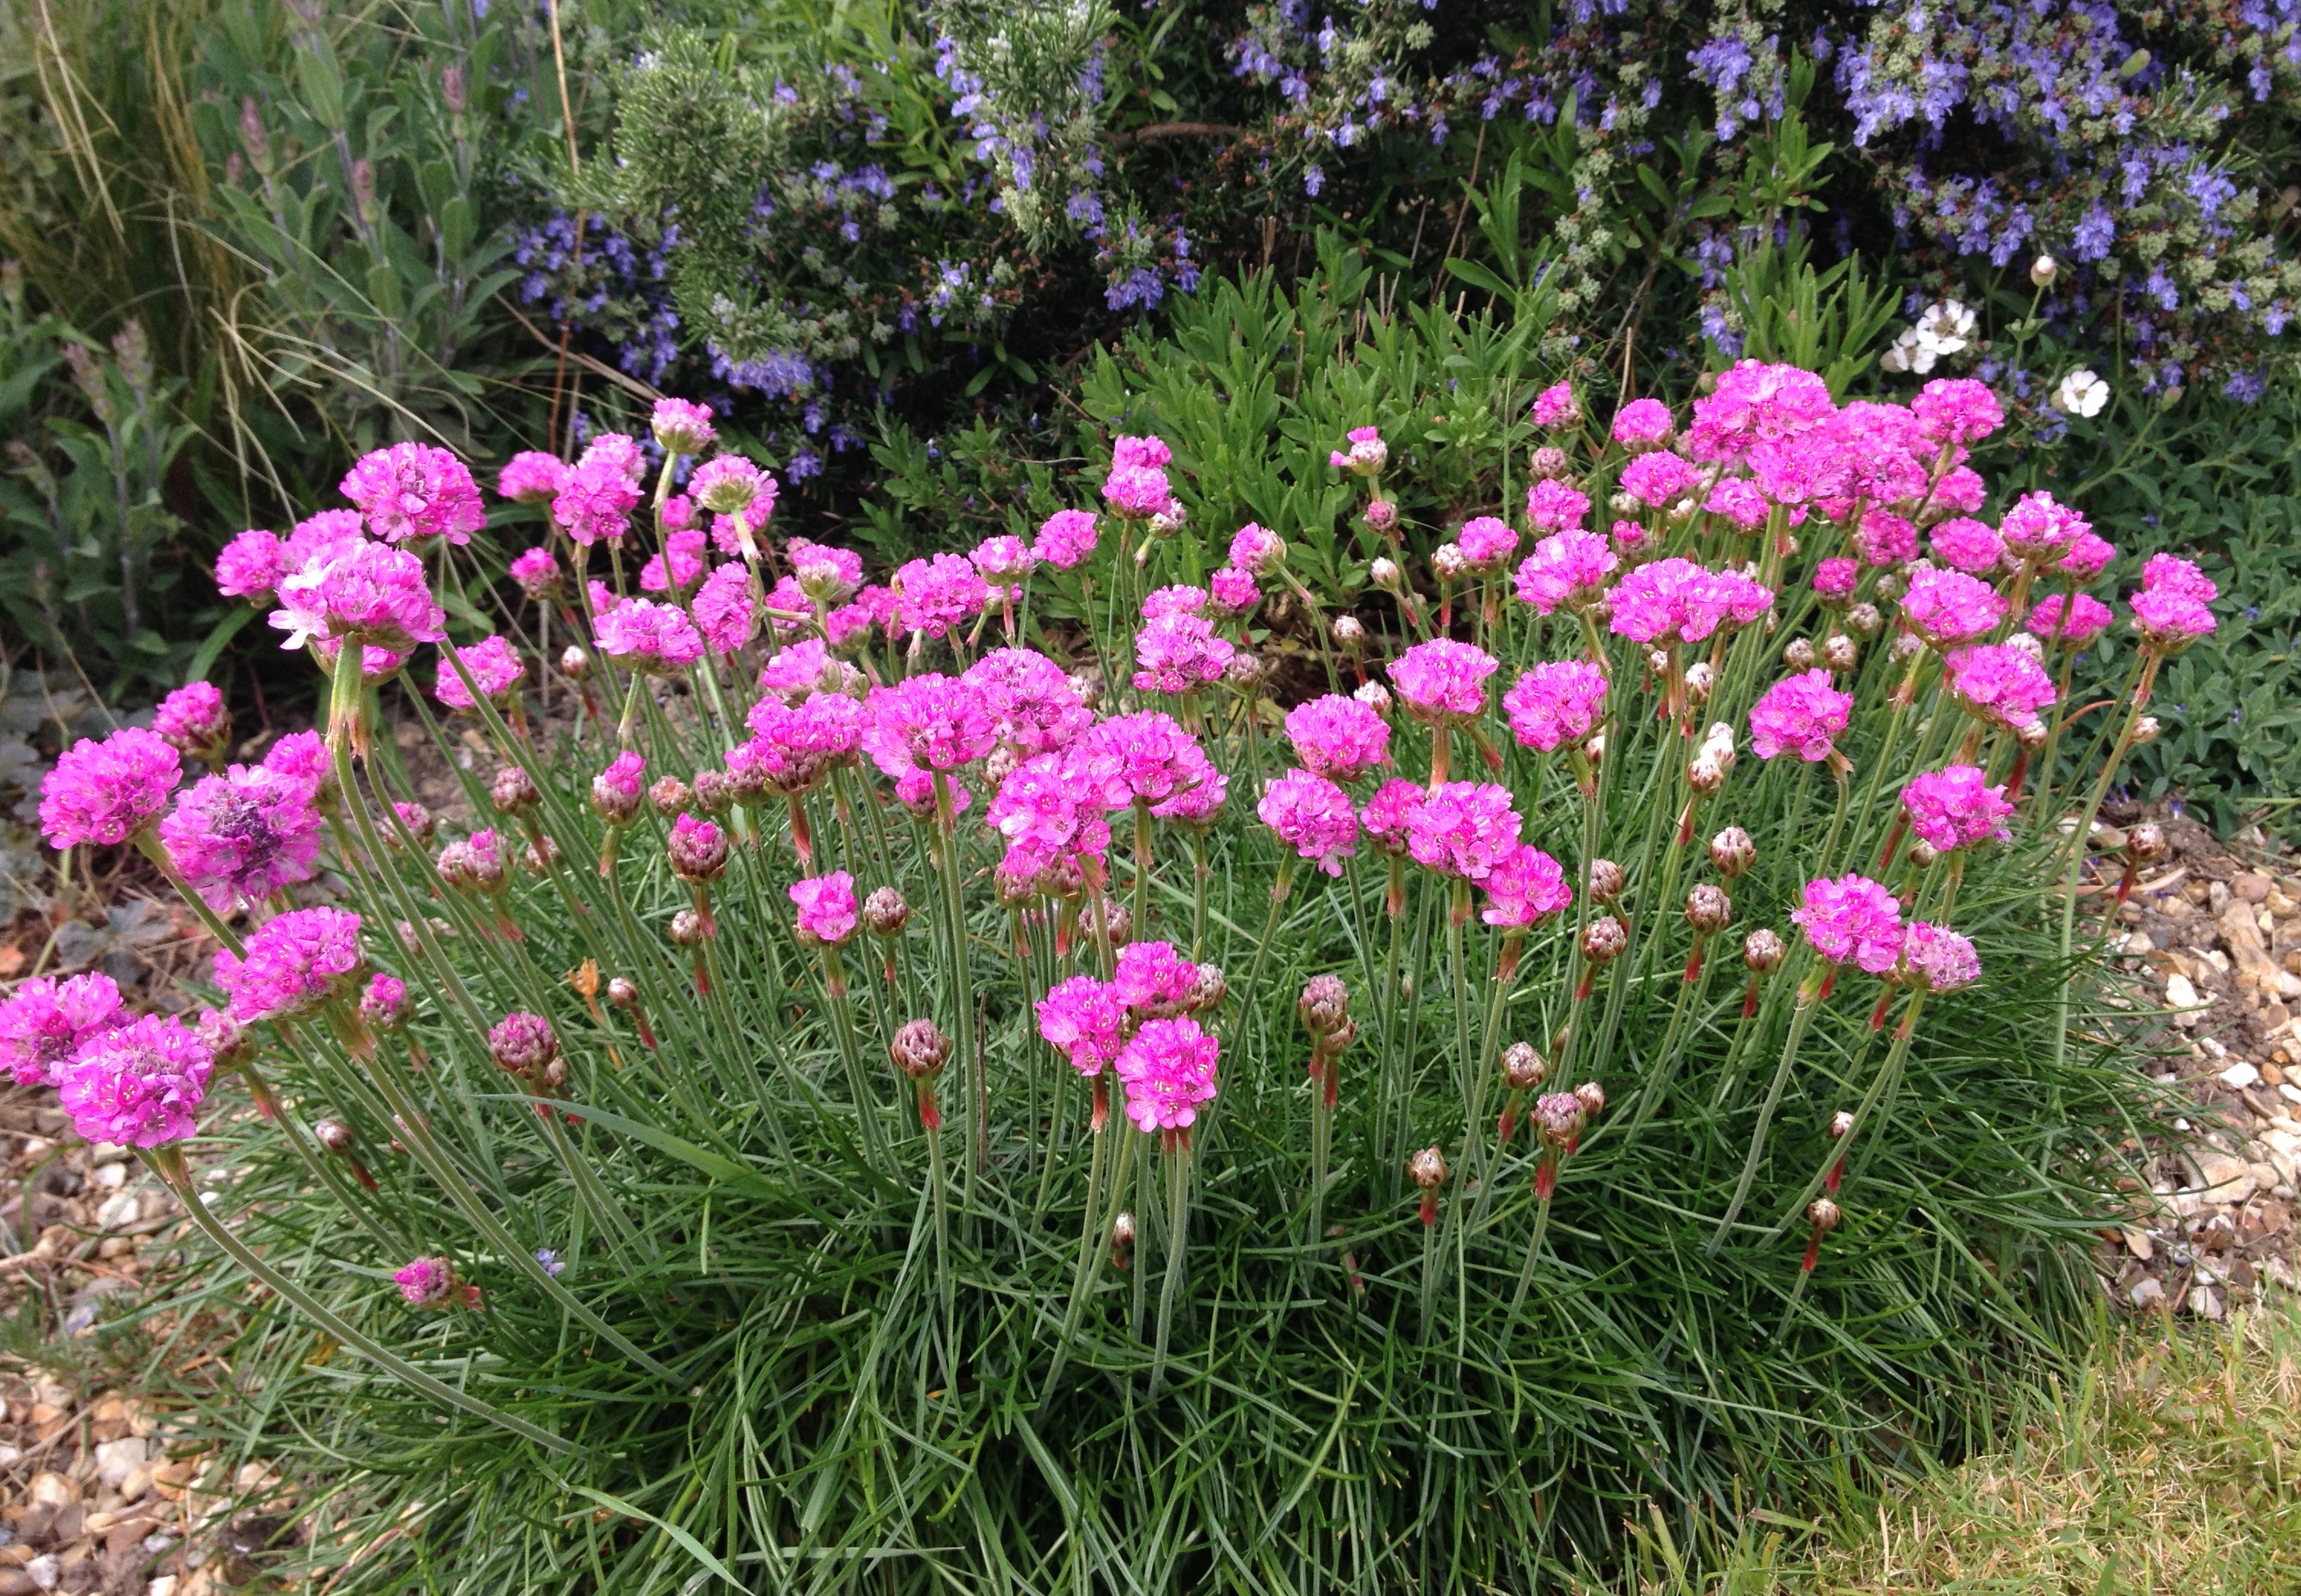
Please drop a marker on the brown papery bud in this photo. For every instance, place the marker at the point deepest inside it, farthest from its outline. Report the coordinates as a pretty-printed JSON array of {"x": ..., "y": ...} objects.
[
  {"x": 713, "y": 794},
  {"x": 542, "y": 856},
  {"x": 1349, "y": 632},
  {"x": 1798, "y": 654},
  {"x": 1374, "y": 696},
  {"x": 1864, "y": 621},
  {"x": 623, "y": 992},
  {"x": 1706, "y": 775},
  {"x": 1823, "y": 1215},
  {"x": 687, "y": 929},
  {"x": 1244, "y": 669},
  {"x": 1428, "y": 1168},
  {"x": 1523, "y": 1068},
  {"x": 1762, "y": 952},
  {"x": 1342, "y": 1036},
  {"x": 1381, "y": 517},
  {"x": 2144, "y": 729},
  {"x": 1448, "y": 562},
  {"x": 1732, "y": 853},
  {"x": 1841, "y": 1125},
  {"x": 884, "y": 912},
  {"x": 1604, "y": 940},
  {"x": 1905, "y": 648},
  {"x": 1593, "y": 1098},
  {"x": 1118, "y": 922},
  {"x": 514, "y": 790},
  {"x": 2148, "y": 843},
  {"x": 1548, "y": 462},
  {"x": 1121, "y": 1229},
  {"x": 1324, "y": 1004},
  {"x": 1207, "y": 990},
  {"x": 334, "y": 1136},
  {"x": 574, "y": 664},
  {"x": 1708, "y": 909},
  {"x": 1699, "y": 680},
  {"x": 920, "y": 1050},
  {"x": 1002, "y": 763},
  {"x": 669, "y": 795},
  {"x": 1605, "y": 883},
  {"x": 1840, "y": 653},
  {"x": 1922, "y": 853}
]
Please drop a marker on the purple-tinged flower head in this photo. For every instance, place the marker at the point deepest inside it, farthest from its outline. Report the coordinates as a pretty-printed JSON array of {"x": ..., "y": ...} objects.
[
  {"x": 531, "y": 477},
  {"x": 2086, "y": 557},
  {"x": 525, "y": 1044},
  {"x": 1937, "y": 959},
  {"x": 1387, "y": 815},
  {"x": 1146, "y": 757},
  {"x": 1367, "y": 455},
  {"x": 1444, "y": 682},
  {"x": 1756, "y": 403},
  {"x": 682, "y": 427},
  {"x": 1960, "y": 492},
  {"x": 726, "y": 484},
  {"x": 1956, "y": 411},
  {"x": 496, "y": 668},
  {"x": 1154, "y": 980},
  {"x": 1180, "y": 654},
  {"x": 250, "y": 566},
  {"x": 294, "y": 962},
  {"x": 1085, "y": 1021},
  {"x": 1169, "y": 1069},
  {"x": 698, "y": 850},
  {"x": 1313, "y": 817},
  {"x": 1885, "y": 538},
  {"x": 139, "y": 1085},
  {"x": 1198, "y": 795},
  {"x": 1553, "y": 506},
  {"x": 1956, "y": 808},
  {"x": 1660, "y": 479},
  {"x": 1851, "y": 921},
  {"x": 1949, "y": 607},
  {"x": 1668, "y": 601},
  {"x": 1231, "y": 593},
  {"x": 794, "y": 746},
  {"x": 618, "y": 791},
  {"x": 828, "y": 576},
  {"x": 2169, "y": 620},
  {"x": 1004, "y": 561},
  {"x": 1487, "y": 543},
  {"x": 1464, "y": 829},
  {"x": 1136, "y": 489},
  {"x": 938, "y": 595},
  {"x": 366, "y": 592},
  {"x": 384, "y": 1004},
  {"x": 243, "y": 836},
  {"x": 193, "y": 720},
  {"x": 426, "y": 1283},
  {"x": 1644, "y": 424},
  {"x": 825, "y": 909},
  {"x": 1967, "y": 545},
  {"x": 1559, "y": 702},
  {"x": 1801, "y": 715},
  {"x": 1555, "y": 406},
  {"x": 725, "y": 612},
  {"x": 1035, "y": 703},
  {"x": 1151, "y": 452},
  {"x": 595, "y": 503},
  {"x": 1041, "y": 808},
  {"x": 1337, "y": 738},
  {"x": 928, "y": 723},
  {"x": 2039, "y": 529},
  {"x": 2171, "y": 574},
  {"x": 1745, "y": 598},
  {"x": 2085, "y": 619},
  {"x": 1740, "y": 502},
  {"x": 1566, "y": 568},
  {"x": 1256, "y": 551},
  {"x": 651, "y": 637},
  {"x": 1998, "y": 683},
  {"x": 320, "y": 536},
  {"x": 415, "y": 492},
  {"x": 106, "y": 792},
  {"x": 1065, "y": 539},
  {"x": 1835, "y": 582},
  {"x": 1525, "y": 888},
  {"x": 685, "y": 557},
  {"x": 46, "y": 1020},
  {"x": 537, "y": 571},
  {"x": 1178, "y": 599},
  {"x": 304, "y": 756}
]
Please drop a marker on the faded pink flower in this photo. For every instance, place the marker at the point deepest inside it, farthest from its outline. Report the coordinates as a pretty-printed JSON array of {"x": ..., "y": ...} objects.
[
  {"x": 1936, "y": 958},
  {"x": 1851, "y": 921},
  {"x": 531, "y": 477},
  {"x": 1801, "y": 715},
  {"x": 1004, "y": 560},
  {"x": 46, "y": 1020},
  {"x": 1956, "y": 807},
  {"x": 415, "y": 492},
  {"x": 105, "y": 792},
  {"x": 1169, "y": 1069},
  {"x": 139, "y": 1085},
  {"x": 1999, "y": 683},
  {"x": 294, "y": 962},
  {"x": 1257, "y": 552},
  {"x": 495, "y": 666},
  {"x": 1560, "y": 702},
  {"x": 1338, "y": 738},
  {"x": 1367, "y": 455},
  {"x": 426, "y": 1283},
  {"x": 727, "y": 484},
  {"x": 1313, "y": 817},
  {"x": 825, "y": 907},
  {"x": 1442, "y": 681}
]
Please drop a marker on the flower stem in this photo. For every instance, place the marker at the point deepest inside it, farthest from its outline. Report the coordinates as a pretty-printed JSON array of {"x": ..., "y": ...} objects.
[
  {"x": 1179, "y": 1230},
  {"x": 1809, "y": 999}
]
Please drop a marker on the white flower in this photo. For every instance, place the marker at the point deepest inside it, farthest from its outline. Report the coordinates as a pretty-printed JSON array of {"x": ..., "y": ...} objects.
[
  {"x": 1945, "y": 326},
  {"x": 1911, "y": 351},
  {"x": 2081, "y": 394}
]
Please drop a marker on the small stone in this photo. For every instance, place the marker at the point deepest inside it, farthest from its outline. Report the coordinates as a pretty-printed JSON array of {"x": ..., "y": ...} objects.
[
  {"x": 165, "y": 1585},
  {"x": 2137, "y": 1244},
  {"x": 2264, "y": 1175},
  {"x": 115, "y": 1459},
  {"x": 2252, "y": 887},
  {"x": 119, "y": 1211},
  {"x": 2223, "y": 1178},
  {"x": 2217, "y": 896},
  {"x": 2288, "y": 1091},
  {"x": 2206, "y": 1302},
  {"x": 52, "y": 1490},
  {"x": 2240, "y": 1075},
  {"x": 109, "y": 1177},
  {"x": 2181, "y": 999},
  {"x": 44, "y": 1571},
  {"x": 2147, "y": 1292}
]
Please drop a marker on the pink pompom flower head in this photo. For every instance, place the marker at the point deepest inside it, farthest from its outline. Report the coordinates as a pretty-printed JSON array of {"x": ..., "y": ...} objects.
[
  {"x": 726, "y": 614},
  {"x": 682, "y": 427},
  {"x": 1885, "y": 538},
  {"x": 1755, "y": 403},
  {"x": 1566, "y": 568},
  {"x": 1956, "y": 411},
  {"x": 1999, "y": 684},
  {"x": 537, "y": 571},
  {"x": 1644, "y": 424},
  {"x": 2171, "y": 574},
  {"x": 595, "y": 502},
  {"x": 1525, "y": 888},
  {"x": 940, "y": 595},
  {"x": 1463, "y": 829},
  {"x": 1835, "y": 582},
  {"x": 2169, "y": 621},
  {"x": 1802, "y": 714},
  {"x": 294, "y": 962},
  {"x": 928, "y": 723},
  {"x": 531, "y": 477},
  {"x": 1660, "y": 479},
  {"x": 825, "y": 910},
  {"x": 1934, "y": 959},
  {"x": 1145, "y": 757},
  {"x": 1741, "y": 503},
  {"x": 365, "y": 593},
  {"x": 1555, "y": 702},
  {"x": 194, "y": 721},
  {"x": 413, "y": 492},
  {"x": 1035, "y": 703},
  {"x": 2072, "y": 625},
  {"x": 45, "y": 1021},
  {"x": 430, "y": 1284},
  {"x": 1367, "y": 455},
  {"x": 1671, "y": 600},
  {"x": 1256, "y": 551},
  {"x": 1337, "y": 738},
  {"x": 1444, "y": 682},
  {"x": 108, "y": 792},
  {"x": 250, "y": 566},
  {"x": 1969, "y": 546},
  {"x": 649, "y": 637},
  {"x": 1137, "y": 489},
  {"x": 1386, "y": 816},
  {"x": 139, "y": 1085},
  {"x": 1949, "y": 607},
  {"x": 496, "y": 669},
  {"x": 2040, "y": 529},
  {"x": 244, "y": 836},
  {"x": 1313, "y": 817},
  {"x": 2086, "y": 557},
  {"x": 1084, "y": 1020},
  {"x": 1169, "y": 1068},
  {"x": 1487, "y": 543},
  {"x": 1180, "y": 653},
  {"x": 1154, "y": 980},
  {"x": 1956, "y": 808},
  {"x": 1231, "y": 594},
  {"x": 679, "y": 566},
  {"x": 1555, "y": 506},
  {"x": 1851, "y": 921},
  {"x": 727, "y": 485},
  {"x": 1065, "y": 539},
  {"x": 1555, "y": 406}
]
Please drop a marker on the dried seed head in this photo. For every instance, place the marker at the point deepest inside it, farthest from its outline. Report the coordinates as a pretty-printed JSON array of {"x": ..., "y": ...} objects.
[
  {"x": 334, "y": 1136},
  {"x": 2148, "y": 843},
  {"x": 1864, "y": 621},
  {"x": 669, "y": 795},
  {"x": 1428, "y": 1168},
  {"x": 623, "y": 992},
  {"x": 1762, "y": 952},
  {"x": 1706, "y": 775},
  {"x": 1605, "y": 883},
  {"x": 1708, "y": 909},
  {"x": 713, "y": 795},
  {"x": 574, "y": 664},
  {"x": 1548, "y": 462},
  {"x": 1523, "y": 1068},
  {"x": 687, "y": 929},
  {"x": 884, "y": 912},
  {"x": 1604, "y": 940},
  {"x": 920, "y": 1050},
  {"x": 1840, "y": 653},
  {"x": 1798, "y": 654},
  {"x": 1207, "y": 989},
  {"x": 1381, "y": 517},
  {"x": 1841, "y": 1125},
  {"x": 1732, "y": 853},
  {"x": 1593, "y": 1098},
  {"x": 515, "y": 790},
  {"x": 1823, "y": 1214},
  {"x": 1324, "y": 1004}
]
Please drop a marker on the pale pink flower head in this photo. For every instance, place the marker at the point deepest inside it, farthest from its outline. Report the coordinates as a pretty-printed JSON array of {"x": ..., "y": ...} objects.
[
  {"x": 1566, "y": 568},
  {"x": 1338, "y": 738},
  {"x": 725, "y": 485},
  {"x": 46, "y": 1020},
  {"x": 825, "y": 907},
  {"x": 1313, "y": 817},
  {"x": 1879, "y": 456},
  {"x": 1038, "y": 807},
  {"x": 1169, "y": 1069},
  {"x": 1035, "y": 702},
  {"x": 1885, "y": 538},
  {"x": 1256, "y": 551},
  {"x": 652, "y": 637},
  {"x": 679, "y": 514},
  {"x": 1180, "y": 653},
  {"x": 1660, "y": 479},
  {"x": 367, "y": 593},
  {"x": 724, "y": 610},
  {"x": 614, "y": 451},
  {"x": 1644, "y": 424},
  {"x": 426, "y": 1283},
  {"x": 244, "y": 836},
  {"x": 1179, "y": 598},
  {"x": 791, "y": 604},
  {"x": 1801, "y": 715},
  {"x": 496, "y": 668},
  {"x": 1004, "y": 560},
  {"x": 2085, "y": 619},
  {"x": 938, "y": 595},
  {"x": 1146, "y": 757},
  {"x": 849, "y": 627},
  {"x": 531, "y": 477},
  {"x": 1084, "y": 1020},
  {"x": 139, "y": 1085},
  {"x": 2169, "y": 620},
  {"x": 1741, "y": 502},
  {"x": 536, "y": 572},
  {"x": 1937, "y": 959},
  {"x": 595, "y": 502},
  {"x": 1956, "y": 808},
  {"x": 1998, "y": 683},
  {"x": 1555, "y": 406},
  {"x": 928, "y": 723},
  {"x": 321, "y": 536},
  {"x": 415, "y": 492},
  {"x": 1851, "y": 921},
  {"x": 677, "y": 568},
  {"x": 617, "y": 791},
  {"x": 1970, "y": 545},
  {"x": 800, "y": 668},
  {"x": 1199, "y": 794},
  {"x": 1065, "y": 539},
  {"x": 1555, "y": 702},
  {"x": 2040, "y": 529},
  {"x": 250, "y": 566},
  {"x": 1960, "y": 492},
  {"x": 1552, "y": 505},
  {"x": 1487, "y": 542},
  {"x": 1387, "y": 814},
  {"x": 1367, "y": 455},
  {"x": 1137, "y": 488},
  {"x": 194, "y": 720},
  {"x": 1153, "y": 980},
  {"x": 826, "y": 575},
  {"x": 304, "y": 755},
  {"x": 1525, "y": 888},
  {"x": 1671, "y": 600},
  {"x": 294, "y": 962},
  {"x": 1949, "y": 607},
  {"x": 682, "y": 427},
  {"x": 1756, "y": 403},
  {"x": 106, "y": 792},
  {"x": 1231, "y": 593},
  {"x": 2171, "y": 574},
  {"x": 1956, "y": 411},
  {"x": 2087, "y": 557},
  {"x": 1835, "y": 582},
  {"x": 1444, "y": 682},
  {"x": 1464, "y": 829}
]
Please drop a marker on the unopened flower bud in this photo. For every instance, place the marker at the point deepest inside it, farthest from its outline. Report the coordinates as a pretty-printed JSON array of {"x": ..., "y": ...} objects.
[
  {"x": 231, "y": 1043},
  {"x": 1381, "y": 517},
  {"x": 1922, "y": 854},
  {"x": 574, "y": 664},
  {"x": 419, "y": 822},
  {"x": 1604, "y": 940},
  {"x": 1374, "y": 696},
  {"x": 1448, "y": 562},
  {"x": 2148, "y": 843},
  {"x": 1841, "y": 1125},
  {"x": 1245, "y": 671},
  {"x": 1699, "y": 680},
  {"x": 1121, "y": 1229},
  {"x": 698, "y": 850},
  {"x": 2032, "y": 736},
  {"x": 1002, "y": 763},
  {"x": 712, "y": 793},
  {"x": 2044, "y": 270},
  {"x": 1905, "y": 648},
  {"x": 522, "y": 1044},
  {"x": 1594, "y": 750},
  {"x": 2144, "y": 729},
  {"x": 1547, "y": 464},
  {"x": 1840, "y": 653},
  {"x": 1708, "y": 909},
  {"x": 334, "y": 1136},
  {"x": 1559, "y": 1117},
  {"x": 1428, "y": 1168},
  {"x": 1823, "y": 1215},
  {"x": 1732, "y": 853},
  {"x": 669, "y": 795},
  {"x": 1762, "y": 952},
  {"x": 1349, "y": 632},
  {"x": 920, "y": 1050},
  {"x": 1088, "y": 685},
  {"x": 1209, "y": 988},
  {"x": 1593, "y": 1098},
  {"x": 1385, "y": 574},
  {"x": 1118, "y": 924},
  {"x": 623, "y": 992},
  {"x": 687, "y": 929},
  {"x": 1706, "y": 775},
  {"x": 884, "y": 912},
  {"x": 1605, "y": 883},
  {"x": 1169, "y": 522},
  {"x": 1523, "y": 1068},
  {"x": 1864, "y": 621},
  {"x": 1324, "y": 1004},
  {"x": 2028, "y": 644},
  {"x": 515, "y": 791},
  {"x": 1798, "y": 654}
]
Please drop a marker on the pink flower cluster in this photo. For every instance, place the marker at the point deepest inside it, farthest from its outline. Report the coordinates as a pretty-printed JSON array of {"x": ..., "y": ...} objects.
[
  {"x": 1555, "y": 702},
  {"x": 1566, "y": 568},
  {"x": 2072, "y": 625},
  {"x": 930, "y": 723},
  {"x": 495, "y": 666},
  {"x": 1065, "y": 539},
  {"x": 1337, "y": 738},
  {"x": 537, "y": 571},
  {"x": 1313, "y": 817},
  {"x": 139, "y": 1085},
  {"x": 193, "y": 720},
  {"x": 1937, "y": 959},
  {"x": 1949, "y": 607},
  {"x": 1442, "y": 681},
  {"x": 1674, "y": 600},
  {"x": 1525, "y": 888},
  {"x": 531, "y": 477},
  {"x": 1180, "y": 653},
  {"x": 1554, "y": 406},
  {"x": 2170, "y": 611},
  {"x": 250, "y": 566},
  {"x": 1644, "y": 424},
  {"x": 415, "y": 492},
  {"x": 1463, "y": 829},
  {"x": 105, "y": 792},
  {"x": 1802, "y": 714},
  {"x": 1048, "y": 816},
  {"x": 1661, "y": 479},
  {"x": 1085, "y": 1021},
  {"x": 726, "y": 612},
  {"x": 1956, "y": 411},
  {"x": 1956, "y": 808},
  {"x": 1999, "y": 683},
  {"x": 1851, "y": 921},
  {"x": 938, "y": 595},
  {"x": 359, "y": 592},
  {"x": 243, "y": 836},
  {"x": 1487, "y": 543},
  {"x": 1148, "y": 758},
  {"x": 1137, "y": 487},
  {"x": 1555, "y": 506},
  {"x": 1169, "y": 1068},
  {"x": 1756, "y": 403},
  {"x": 647, "y": 636},
  {"x": 1035, "y": 705},
  {"x": 794, "y": 746},
  {"x": 294, "y": 962},
  {"x": 825, "y": 907},
  {"x": 1367, "y": 455},
  {"x": 46, "y": 1020}
]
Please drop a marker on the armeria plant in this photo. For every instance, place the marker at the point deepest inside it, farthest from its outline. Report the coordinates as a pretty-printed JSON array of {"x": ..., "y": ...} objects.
[{"x": 913, "y": 1174}]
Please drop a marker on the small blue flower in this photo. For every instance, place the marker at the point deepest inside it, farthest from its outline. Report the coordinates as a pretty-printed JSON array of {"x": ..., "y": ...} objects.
[{"x": 553, "y": 1264}]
